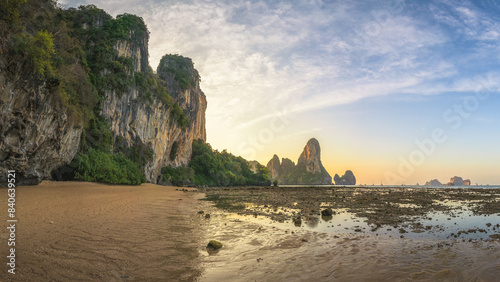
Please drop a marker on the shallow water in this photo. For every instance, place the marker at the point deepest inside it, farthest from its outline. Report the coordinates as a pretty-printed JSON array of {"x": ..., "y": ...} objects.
[
  {"x": 434, "y": 225},
  {"x": 256, "y": 248}
]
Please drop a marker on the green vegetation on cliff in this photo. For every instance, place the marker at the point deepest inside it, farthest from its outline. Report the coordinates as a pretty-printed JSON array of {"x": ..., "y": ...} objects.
[
  {"x": 181, "y": 68},
  {"x": 98, "y": 166},
  {"x": 73, "y": 54},
  {"x": 214, "y": 168}
]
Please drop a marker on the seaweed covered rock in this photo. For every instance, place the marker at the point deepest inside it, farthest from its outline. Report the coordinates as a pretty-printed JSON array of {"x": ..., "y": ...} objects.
[{"x": 214, "y": 245}]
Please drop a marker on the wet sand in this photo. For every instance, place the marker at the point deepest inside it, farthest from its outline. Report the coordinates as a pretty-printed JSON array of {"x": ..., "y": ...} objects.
[
  {"x": 93, "y": 232},
  {"x": 373, "y": 235},
  {"x": 256, "y": 252},
  {"x": 69, "y": 231}
]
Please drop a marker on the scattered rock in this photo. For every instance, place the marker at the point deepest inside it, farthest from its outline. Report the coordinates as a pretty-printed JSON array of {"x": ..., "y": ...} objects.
[
  {"x": 297, "y": 221},
  {"x": 214, "y": 245},
  {"x": 207, "y": 215},
  {"x": 201, "y": 212},
  {"x": 495, "y": 236},
  {"x": 327, "y": 212}
]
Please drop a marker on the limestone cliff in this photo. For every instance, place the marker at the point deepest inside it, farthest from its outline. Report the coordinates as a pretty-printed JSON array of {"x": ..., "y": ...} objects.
[
  {"x": 274, "y": 167},
  {"x": 309, "y": 169},
  {"x": 37, "y": 134},
  {"x": 76, "y": 81},
  {"x": 151, "y": 123}
]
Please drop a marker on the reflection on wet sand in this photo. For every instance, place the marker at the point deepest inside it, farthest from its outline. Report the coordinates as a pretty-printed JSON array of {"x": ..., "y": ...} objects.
[
  {"x": 368, "y": 235},
  {"x": 255, "y": 249}
]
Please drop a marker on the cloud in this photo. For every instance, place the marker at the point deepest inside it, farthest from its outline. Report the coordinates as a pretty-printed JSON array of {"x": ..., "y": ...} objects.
[{"x": 257, "y": 58}]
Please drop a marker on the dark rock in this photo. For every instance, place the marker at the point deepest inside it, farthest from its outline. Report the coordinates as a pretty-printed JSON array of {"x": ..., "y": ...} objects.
[
  {"x": 346, "y": 179},
  {"x": 214, "y": 245},
  {"x": 297, "y": 221},
  {"x": 207, "y": 215},
  {"x": 327, "y": 212}
]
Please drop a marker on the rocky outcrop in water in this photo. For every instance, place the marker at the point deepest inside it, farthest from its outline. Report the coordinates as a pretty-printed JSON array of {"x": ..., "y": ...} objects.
[
  {"x": 309, "y": 169},
  {"x": 433, "y": 182},
  {"x": 458, "y": 181},
  {"x": 346, "y": 179}
]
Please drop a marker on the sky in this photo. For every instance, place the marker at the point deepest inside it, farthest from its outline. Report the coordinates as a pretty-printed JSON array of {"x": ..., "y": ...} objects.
[{"x": 396, "y": 91}]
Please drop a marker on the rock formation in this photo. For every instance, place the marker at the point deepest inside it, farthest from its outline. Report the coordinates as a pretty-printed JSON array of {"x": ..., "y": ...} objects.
[
  {"x": 37, "y": 134},
  {"x": 40, "y": 130},
  {"x": 346, "y": 179},
  {"x": 152, "y": 124},
  {"x": 309, "y": 169},
  {"x": 287, "y": 166},
  {"x": 433, "y": 182},
  {"x": 274, "y": 167},
  {"x": 458, "y": 181},
  {"x": 311, "y": 157}
]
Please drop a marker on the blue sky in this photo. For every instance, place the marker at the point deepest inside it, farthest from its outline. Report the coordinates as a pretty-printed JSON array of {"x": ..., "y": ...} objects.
[{"x": 368, "y": 79}]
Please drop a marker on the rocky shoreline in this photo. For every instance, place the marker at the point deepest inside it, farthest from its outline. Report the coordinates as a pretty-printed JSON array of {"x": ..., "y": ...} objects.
[{"x": 402, "y": 209}]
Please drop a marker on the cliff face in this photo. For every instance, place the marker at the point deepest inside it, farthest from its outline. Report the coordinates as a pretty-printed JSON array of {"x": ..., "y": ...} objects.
[
  {"x": 274, "y": 167},
  {"x": 311, "y": 157},
  {"x": 37, "y": 133},
  {"x": 309, "y": 169},
  {"x": 152, "y": 123},
  {"x": 50, "y": 93}
]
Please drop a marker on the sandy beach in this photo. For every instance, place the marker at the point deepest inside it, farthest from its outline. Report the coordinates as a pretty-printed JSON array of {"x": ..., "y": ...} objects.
[{"x": 70, "y": 231}]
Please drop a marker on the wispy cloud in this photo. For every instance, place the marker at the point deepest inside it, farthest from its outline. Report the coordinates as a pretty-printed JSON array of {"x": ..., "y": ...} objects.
[{"x": 259, "y": 57}]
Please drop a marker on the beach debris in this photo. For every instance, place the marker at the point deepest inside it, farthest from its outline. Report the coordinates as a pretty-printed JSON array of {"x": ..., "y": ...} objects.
[
  {"x": 214, "y": 245},
  {"x": 201, "y": 212},
  {"x": 207, "y": 216},
  {"x": 260, "y": 259},
  {"x": 304, "y": 240}
]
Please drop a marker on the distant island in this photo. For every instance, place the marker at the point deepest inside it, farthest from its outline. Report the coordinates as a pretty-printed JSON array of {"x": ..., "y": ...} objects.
[
  {"x": 346, "y": 179},
  {"x": 454, "y": 181}
]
